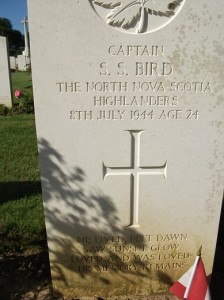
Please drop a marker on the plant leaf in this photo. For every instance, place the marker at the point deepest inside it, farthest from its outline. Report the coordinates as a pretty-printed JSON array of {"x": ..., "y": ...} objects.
[
  {"x": 161, "y": 8},
  {"x": 107, "y": 3},
  {"x": 125, "y": 16}
]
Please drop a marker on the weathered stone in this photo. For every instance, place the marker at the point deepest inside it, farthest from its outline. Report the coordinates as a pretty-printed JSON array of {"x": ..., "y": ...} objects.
[
  {"x": 12, "y": 63},
  {"x": 23, "y": 62},
  {"x": 130, "y": 130},
  {"x": 5, "y": 78}
]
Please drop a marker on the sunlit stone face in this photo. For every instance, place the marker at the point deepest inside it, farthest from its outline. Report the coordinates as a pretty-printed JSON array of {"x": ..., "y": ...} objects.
[
  {"x": 5, "y": 81},
  {"x": 131, "y": 143},
  {"x": 137, "y": 16}
]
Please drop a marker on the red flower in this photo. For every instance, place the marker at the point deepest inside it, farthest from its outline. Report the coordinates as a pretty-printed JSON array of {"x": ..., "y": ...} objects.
[{"x": 18, "y": 94}]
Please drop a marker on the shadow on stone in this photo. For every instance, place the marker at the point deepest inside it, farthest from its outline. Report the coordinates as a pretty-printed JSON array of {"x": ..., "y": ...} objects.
[{"x": 89, "y": 217}]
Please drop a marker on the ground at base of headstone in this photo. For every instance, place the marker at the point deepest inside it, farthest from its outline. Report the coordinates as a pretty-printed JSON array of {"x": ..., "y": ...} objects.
[{"x": 27, "y": 277}]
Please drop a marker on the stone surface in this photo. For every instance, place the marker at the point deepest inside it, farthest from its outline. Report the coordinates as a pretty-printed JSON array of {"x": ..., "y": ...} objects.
[
  {"x": 26, "y": 51},
  {"x": 23, "y": 62},
  {"x": 130, "y": 135},
  {"x": 5, "y": 79},
  {"x": 12, "y": 60}
]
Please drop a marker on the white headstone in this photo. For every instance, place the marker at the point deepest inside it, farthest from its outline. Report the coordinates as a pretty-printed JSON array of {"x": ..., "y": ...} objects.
[
  {"x": 5, "y": 77},
  {"x": 23, "y": 62},
  {"x": 129, "y": 114},
  {"x": 12, "y": 60}
]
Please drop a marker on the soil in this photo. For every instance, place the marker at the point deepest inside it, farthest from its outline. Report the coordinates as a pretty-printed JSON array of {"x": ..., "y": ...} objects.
[{"x": 27, "y": 277}]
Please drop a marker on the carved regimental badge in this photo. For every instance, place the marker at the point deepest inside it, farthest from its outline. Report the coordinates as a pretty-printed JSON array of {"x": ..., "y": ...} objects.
[{"x": 137, "y": 16}]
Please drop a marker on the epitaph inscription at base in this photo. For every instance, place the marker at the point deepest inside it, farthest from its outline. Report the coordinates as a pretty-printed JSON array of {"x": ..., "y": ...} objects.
[{"x": 129, "y": 119}]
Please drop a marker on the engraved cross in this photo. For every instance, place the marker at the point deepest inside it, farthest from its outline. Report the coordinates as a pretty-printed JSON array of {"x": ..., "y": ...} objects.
[{"x": 135, "y": 171}]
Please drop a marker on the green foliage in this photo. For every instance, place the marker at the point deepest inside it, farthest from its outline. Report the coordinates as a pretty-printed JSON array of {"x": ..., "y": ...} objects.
[
  {"x": 15, "y": 37},
  {"x": 16, "y": 42},
  {"x": 22, "y": 81},
  {"x": 25, "y": 103},
  {"x": 29, "y": 68},
  {"x": 4, "y": 110},
  {"x": 5, "y": 26}
]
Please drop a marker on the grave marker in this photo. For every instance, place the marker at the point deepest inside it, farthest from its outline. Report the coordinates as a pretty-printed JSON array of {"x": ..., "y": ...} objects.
[
  {"x": 134, "y": 173},
  {"x": 129, "y": 116},
  {"x": 12, "y": 60},
  {"x": 5, "y": 77},
  {"x": 23, "y": 62},
  {"x": 26, "y": 51}
]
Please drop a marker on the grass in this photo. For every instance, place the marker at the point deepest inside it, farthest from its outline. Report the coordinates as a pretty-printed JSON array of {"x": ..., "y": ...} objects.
[
  {"x": 21, "y": 209},
  {"x": 21, "y": 81},
  {"x": 18, "y": 153}
]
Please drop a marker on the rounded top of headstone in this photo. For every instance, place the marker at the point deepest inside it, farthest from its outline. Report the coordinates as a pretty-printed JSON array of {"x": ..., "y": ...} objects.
[{"x": 137, "y": 16}]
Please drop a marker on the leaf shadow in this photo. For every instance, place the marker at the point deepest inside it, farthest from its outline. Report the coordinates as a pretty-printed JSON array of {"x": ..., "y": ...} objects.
[{"x": 85, "y": 238}]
